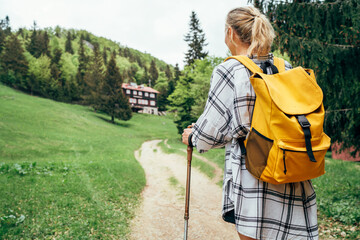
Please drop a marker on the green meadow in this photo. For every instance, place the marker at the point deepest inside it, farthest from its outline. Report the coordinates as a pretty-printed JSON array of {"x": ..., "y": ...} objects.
[{"x": 67, "y": 173}]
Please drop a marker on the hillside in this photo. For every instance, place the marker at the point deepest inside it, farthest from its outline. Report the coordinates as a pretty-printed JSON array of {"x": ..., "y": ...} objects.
[
  {"x": 72, "y": 65},
  {"x": 126, "y": 58},
  {"x": 65, "y": 171}
]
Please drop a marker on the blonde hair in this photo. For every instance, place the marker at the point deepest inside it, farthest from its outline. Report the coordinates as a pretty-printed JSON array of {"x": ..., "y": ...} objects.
[{"x": 253, "y": 28}]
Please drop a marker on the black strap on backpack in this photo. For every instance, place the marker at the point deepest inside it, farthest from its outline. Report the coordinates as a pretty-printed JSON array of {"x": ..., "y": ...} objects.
[
  {"x": 242, "y": 145},
  {"x": 305, "y": 125},
  {"x": 267, "y": 64}
]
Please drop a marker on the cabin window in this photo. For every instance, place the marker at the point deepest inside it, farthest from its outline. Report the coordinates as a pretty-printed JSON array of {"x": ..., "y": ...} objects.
[
  {"x": 152, "y": 103},
  {"x": 146, "y": 94},
  {"x": 132, "y": 100},
  {"x": 134, "y": 92},
  {"x": 140, "y": 93},
  {"x": 128, "y": 91},
  {"x": 143, "y": 101},
  {"x": 152, "y": 95}
]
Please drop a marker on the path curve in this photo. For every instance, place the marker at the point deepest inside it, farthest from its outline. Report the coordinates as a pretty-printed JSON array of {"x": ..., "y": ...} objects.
[{"x": 161, "y": 214}]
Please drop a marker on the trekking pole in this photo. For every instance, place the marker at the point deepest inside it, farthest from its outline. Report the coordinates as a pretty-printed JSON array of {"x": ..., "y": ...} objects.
[{"x": 187, "y": 197}]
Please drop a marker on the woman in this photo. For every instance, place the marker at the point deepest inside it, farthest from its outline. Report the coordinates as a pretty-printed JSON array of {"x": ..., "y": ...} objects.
[{"x": 259, "y": 210}]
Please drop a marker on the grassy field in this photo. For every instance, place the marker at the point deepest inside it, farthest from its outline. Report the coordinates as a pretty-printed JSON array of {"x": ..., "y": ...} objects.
[
  {"x": 65, "y": 172},
  {"x": 338, "y": 199}
]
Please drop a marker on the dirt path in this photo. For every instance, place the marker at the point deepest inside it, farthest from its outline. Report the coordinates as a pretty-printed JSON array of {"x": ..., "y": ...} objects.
[
  {"x": 218, "y": 173},
  {"x": 161, "y": 215}
]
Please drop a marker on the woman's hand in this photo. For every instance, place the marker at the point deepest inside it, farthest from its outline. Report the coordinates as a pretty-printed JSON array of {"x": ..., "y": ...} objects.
[{"x": 186, "y": 133}]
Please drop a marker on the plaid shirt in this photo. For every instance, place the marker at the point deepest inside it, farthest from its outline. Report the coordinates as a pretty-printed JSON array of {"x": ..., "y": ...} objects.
[{"x": 260, "y": 210}]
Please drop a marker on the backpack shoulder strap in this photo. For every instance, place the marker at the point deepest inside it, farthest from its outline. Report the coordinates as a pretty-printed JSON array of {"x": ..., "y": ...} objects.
[
  {"x": 280, "y": 64},
  {"x": 247, "y": 62}
]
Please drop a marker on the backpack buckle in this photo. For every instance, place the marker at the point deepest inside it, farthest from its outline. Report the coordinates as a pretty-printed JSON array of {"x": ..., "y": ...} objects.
[{"x": 304, "y": 123}]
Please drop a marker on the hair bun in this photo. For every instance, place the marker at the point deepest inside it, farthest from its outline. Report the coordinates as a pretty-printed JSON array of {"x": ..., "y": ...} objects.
[{"x": 259, "y": 34}]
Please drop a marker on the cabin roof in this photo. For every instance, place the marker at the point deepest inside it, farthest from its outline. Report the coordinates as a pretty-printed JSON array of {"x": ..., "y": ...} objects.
[{"x": 138, "y": 88}]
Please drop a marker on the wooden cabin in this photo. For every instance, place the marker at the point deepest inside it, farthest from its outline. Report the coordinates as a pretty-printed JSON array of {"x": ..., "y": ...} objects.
[{"x": 142, "y": 99}]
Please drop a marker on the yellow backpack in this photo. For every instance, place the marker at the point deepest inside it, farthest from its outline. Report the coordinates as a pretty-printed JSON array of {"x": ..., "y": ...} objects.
[{"x": 286, "y": 142}]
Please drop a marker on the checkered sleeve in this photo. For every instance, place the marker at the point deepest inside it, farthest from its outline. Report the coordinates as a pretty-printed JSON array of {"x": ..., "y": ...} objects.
[
  {"x": 212, "y": 129},
  {"x": 226, "y": 114}
]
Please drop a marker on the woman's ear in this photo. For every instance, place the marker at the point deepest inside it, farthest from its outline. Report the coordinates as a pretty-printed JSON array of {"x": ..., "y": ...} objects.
[
  {"x": 232, "y": 36},
  {"x": 230, "y": 33}
]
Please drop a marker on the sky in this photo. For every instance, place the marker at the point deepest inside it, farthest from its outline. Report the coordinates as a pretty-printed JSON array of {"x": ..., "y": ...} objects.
[{"x": 152, "y": 26}]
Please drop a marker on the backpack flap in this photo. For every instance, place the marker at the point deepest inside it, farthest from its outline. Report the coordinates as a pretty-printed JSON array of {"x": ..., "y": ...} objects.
[{"x": 295, "y": 92}]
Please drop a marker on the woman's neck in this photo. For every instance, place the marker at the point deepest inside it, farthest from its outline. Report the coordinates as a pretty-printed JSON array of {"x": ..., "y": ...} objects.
[
  {"x": 240, "y": 48},
  {"x": 241, "y": 51}
]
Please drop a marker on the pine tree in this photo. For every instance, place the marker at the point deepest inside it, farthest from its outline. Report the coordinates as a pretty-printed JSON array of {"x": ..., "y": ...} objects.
[
  {"x": 177, "y": 73},
  {"x": 5, "y": 25},
  {"x": 171, "y": 87},
  {"x": 168, "y": 72},
  {"x": 87, "y": 37},
  {"x": 83, "y": 62},
  {"x": 68, "y": 46},
  {"x": 39, "y": 43},
  {"x": 56, "y": 73},
  {"x": 5, "y": 30},
  {"x": 127, "y": 52},
  {"x": 139, "y": 61},
  {"x": 154, "y": 74},
  {"x": 55, "y": 63},
  {"x": 56, "y": 56},
  {"x": 145, "y": 76},
  {"x": 20, "y": 32},
  {"x": 13, "y": 57},
  {"x": 34, "y": 46},
  {"x": 121, "y": 52},
  {"x": 105, "y": 55},
  {"x": 57, "y": 31},
  {"x": 93, "y": 79},
  {"x": 72, "y": 34},
  {"x": 131, "y": 72},
  {"x": 45, "y": 44},
  {"x": 14, "y": 63},
  {"x": 113, "y": 100},
  {"x": 171, "y": 81},
  {"x": 196, "y": 41},
  {"x": 2, "y": 39}
]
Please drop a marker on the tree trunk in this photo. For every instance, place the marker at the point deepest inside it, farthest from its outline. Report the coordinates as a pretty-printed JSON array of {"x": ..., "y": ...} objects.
[{"x": 112, "y": 119}]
